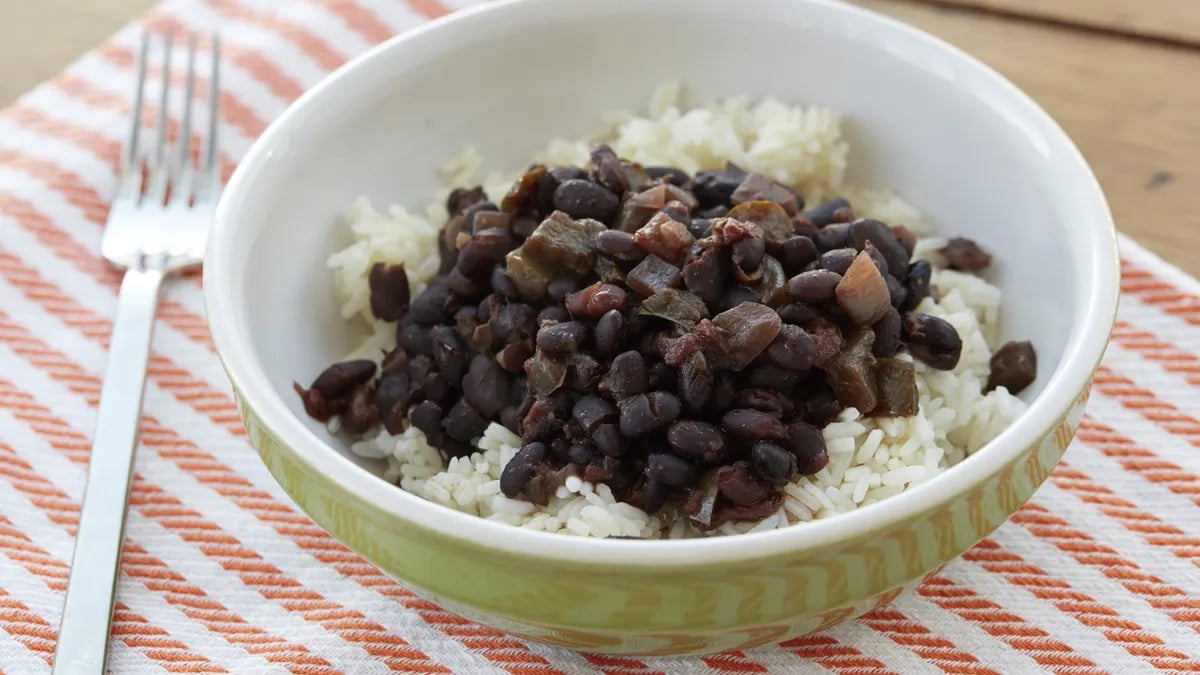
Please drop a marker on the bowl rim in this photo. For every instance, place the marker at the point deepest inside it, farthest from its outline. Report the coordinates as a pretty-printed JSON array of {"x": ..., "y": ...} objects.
[{"x": 1080, "y": 359}]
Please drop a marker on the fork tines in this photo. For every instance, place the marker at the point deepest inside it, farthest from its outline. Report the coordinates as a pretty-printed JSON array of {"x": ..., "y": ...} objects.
[{"x": 168, "y": 170}]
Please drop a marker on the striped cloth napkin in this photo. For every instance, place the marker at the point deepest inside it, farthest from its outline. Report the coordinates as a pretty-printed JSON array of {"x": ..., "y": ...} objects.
[{"x": 222, "y": 573}]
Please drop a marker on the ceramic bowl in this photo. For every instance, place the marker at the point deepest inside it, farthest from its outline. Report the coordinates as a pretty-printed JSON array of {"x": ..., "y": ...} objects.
[{"x": 955, "y": 138}]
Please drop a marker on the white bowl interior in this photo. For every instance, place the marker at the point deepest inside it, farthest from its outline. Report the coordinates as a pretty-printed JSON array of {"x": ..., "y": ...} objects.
[{"x": 954, "y": 139}]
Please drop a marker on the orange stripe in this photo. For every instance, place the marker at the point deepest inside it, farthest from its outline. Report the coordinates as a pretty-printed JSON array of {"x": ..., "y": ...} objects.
[
  {"x": 1152, "y": 530},
  {"x": 87, "y": 138},
  {"x": 1157, "y": 293},
  {"x": 233, "y": 112},
  {"x": 273, "y": 584},
  {"x": 26, "y": 627},
  {"x": 221, "y": 478},
  {"x": 156, "y": 576},
  {"x": 250, "y": 60},
  {"x": 42, "y": 228},
  {"x": 924, "y": 643},
  {"x": 306, "y": 41},
  {"x": 1130, "y": 636},
  {"x": 430, "y": 9},
  {"x": 1006, "y": 626},
  {"x": 1152, "y": 348},
  {"x": 130, "y": 627},
  {"x": 836, "y": 656},
  {"x": 1162, "y": 413},
  {"x": 1167, "y": 598},
  {"x": 360, "y": 19},
  {"x": 733, "y": 662}
]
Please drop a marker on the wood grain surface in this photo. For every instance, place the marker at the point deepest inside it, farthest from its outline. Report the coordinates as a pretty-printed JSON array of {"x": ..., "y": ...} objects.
[
  {"x": 1174, "y": 20},
  {"x": 1129, "y": 93}
]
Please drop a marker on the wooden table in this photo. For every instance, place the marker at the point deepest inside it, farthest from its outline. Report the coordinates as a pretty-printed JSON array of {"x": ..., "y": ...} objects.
[{"x": 1122, "y": 76}]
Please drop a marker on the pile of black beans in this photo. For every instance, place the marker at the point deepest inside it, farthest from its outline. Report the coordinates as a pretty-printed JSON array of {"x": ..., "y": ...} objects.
[{"x": 672, "y": 336}]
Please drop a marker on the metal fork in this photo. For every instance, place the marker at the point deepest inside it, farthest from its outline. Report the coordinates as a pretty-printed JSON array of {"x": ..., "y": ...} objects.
[{"x": 157, "y": 226}]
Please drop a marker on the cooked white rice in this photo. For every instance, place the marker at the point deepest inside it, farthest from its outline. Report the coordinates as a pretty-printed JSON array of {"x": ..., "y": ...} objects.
[{"x": 869, "y": 458}]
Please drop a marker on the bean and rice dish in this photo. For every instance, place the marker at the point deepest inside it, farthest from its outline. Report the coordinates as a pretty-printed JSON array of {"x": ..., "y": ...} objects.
[{"x": 685, "y": 325}]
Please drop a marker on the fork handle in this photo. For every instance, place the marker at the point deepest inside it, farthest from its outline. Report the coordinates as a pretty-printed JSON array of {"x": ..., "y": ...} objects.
[{"x": 82, "y": 647}]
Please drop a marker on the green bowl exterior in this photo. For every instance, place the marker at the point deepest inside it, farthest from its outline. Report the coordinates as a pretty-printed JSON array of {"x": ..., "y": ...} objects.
[{"x": 659, "y": 610}]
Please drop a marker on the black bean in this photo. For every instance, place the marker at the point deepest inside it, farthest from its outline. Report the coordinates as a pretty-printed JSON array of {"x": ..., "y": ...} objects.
[
  {"x": 748, "y": 253},
  {"x": 389, "y": 291},
  {"x": 562, "y": 338},
  {"x": 582, "y": 453},
  {"x": 607, "y": 438},
  {"x": 917, "y": 281},
  {"x": 643, "y": 413},
  {"x": 769, "y": 401},
  {"x": 392, "y": 392},
  {"x": 485, "y": 249},
  {"x": 700, "y": 228},
  {"x": 609, "y": 171},
  {"x": 513, "y": 322},
  {"x": 836, "y": 210},
  {"x": 486, "y": 386},
  {"x": 559, "y": 288},
  {"x": 510, "y": 417},
  {"x": 724, "y": 393},
  {"x": 737, "y": 295},
  {"x": 932, "y": 340},
  {"x": 795, "y": 253},
  {"x": 713, "y": 212},
  {"x": 436, "y": 387},
  {"x": 662, "y": 376},
  {"x": 549, "y": 181},
  {"x": 715, "y": 188},
  {"x": 797, "y": 313},
  {"x": 427, "y": 417},
  {"x": 965, "y": 255},
  {"x": 670, "y": 470},
  {"x": 627, "y": 375},
  {"x": 432, "y": 305},
  {"x": 463, "y": 422},
  {"x": 461, "y": 286},
  {"x": 814, "y": 286},
  {"x": 584, "y": 199},
  {"x": 897, "y": 293},
  {"x": 552, "y": 315},
  {"x": 461, "y": 198},
  {"x": 654, "y": 496},
  {"x": 808, "y": 445},
  {"x": 695, "y": 381},
  {"x": 739, "y": 484},
  {"x": 449, "y": 352},
  {"x": 831, "y": 237},
  {"x": 1013, "y": 366},
  {"x": 881, "y": 236},
  {"x": 793, "y": 348},
  {"x": 838, "y": 260},
  {"x": 704, "y": 275},
  {"x": 770, "y": 376},
  {"x": 618, "y": 245},
  {"x": 753, "y": 425},
  {"x": 610, "y": 333},
  {"x": 591, "y": 411},
  {"x": 775, "y": 464},
  {"x": 419, "y": 369},
  {"x": 342, "y": 378},
  {"x": 520, "y": 469},
  {"x": 672, "y": 175},
  {"x": 316, "y": 405},
  {"x": 698, "y": 441},
  {"x": 361, "y": 415},
  {"x": 887, "y": 334}
]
